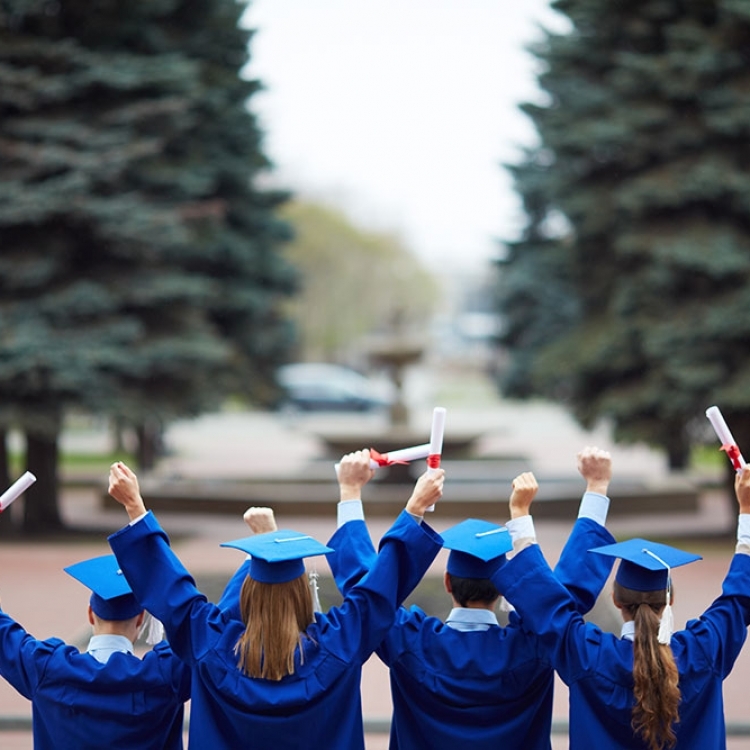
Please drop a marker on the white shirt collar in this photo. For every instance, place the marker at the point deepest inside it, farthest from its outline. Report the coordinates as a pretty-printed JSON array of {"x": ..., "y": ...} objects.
[
  {"x": 628, "y": 630},
  {"x": 466, "y": 618},
  {"x": 101, "y": 647}
]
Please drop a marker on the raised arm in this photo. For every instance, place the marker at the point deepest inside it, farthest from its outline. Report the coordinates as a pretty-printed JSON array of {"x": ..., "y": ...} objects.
[
  {"x": 354, "y": 552},
  {"x": 23, "y": 658},
  {"x": 742, "y": 490},
  {"x": 354, "y": 473},
  {"x": 123, "y": 487},
  {"x": 405, "y": 553},
  {"x": 259, "y": 520},
  {"x": 544, "y": 605},
  {"x": 722, "y": 628},
  {"x": 585, "y": 575},
  {"x": 521, "y": 525},
  {"x": 159, "y": 580}
]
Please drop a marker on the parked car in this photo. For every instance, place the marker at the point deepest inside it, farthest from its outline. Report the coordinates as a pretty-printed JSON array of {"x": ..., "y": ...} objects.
[{"x": 327, "y": 387}]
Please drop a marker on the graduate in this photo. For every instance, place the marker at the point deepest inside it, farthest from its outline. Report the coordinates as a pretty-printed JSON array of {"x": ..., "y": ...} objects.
[
  {"x": 649, "y": 689},
  {"x": 107, "y": 696},
  {"x": 468, "y": 682},
  {"x": 283, "y": 676}
]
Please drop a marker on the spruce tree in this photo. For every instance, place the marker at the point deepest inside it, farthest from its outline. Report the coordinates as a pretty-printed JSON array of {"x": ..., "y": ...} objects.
[
  {"x": 139, "y": 267},
  {"x": 628, "y": 294}
]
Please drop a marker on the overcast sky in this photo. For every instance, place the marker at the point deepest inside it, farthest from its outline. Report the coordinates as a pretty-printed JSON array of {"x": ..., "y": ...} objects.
[{"x": 401, "y": 112}]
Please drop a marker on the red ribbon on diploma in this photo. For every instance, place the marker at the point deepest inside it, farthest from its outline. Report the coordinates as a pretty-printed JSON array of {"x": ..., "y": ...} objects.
[
  {"x": 383, "y": 459},
  {"x": 733, "y": 452},
  {"x": 433, "y": 461}
]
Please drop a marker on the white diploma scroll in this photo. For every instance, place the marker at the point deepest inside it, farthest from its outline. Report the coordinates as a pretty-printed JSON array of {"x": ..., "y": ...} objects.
[
  {"x": 405, "y": 455},
  {"x": 437, "y": 432},
  {"x": 16, "y": 490},
  {"x": 436, "y": 441},
  {"x": 725, "y": 437},
  {"x": 401, "y": 456}
]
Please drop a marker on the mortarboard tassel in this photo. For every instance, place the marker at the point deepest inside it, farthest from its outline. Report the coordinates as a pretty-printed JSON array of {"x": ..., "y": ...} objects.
[
  {"x": 666, "y": 624},
  {"x": 313, "y": 577},
  {"x": 153, "y": 628}
]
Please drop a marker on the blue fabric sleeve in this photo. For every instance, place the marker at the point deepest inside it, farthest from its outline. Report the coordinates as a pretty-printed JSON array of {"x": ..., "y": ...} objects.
[
  {"x": 724, "y": 624},
  {"x": 369, "y": 607},
  {"x": 584, "y": 574},
  {"x": 546, "y": 608},
  {"x": 230, "y": 599},
  {"x": 353, "y": 554},
  {"x": 166, "y": 589},
  {"x": 175, "y": 669},
  {"x": 22, "y": 657}
]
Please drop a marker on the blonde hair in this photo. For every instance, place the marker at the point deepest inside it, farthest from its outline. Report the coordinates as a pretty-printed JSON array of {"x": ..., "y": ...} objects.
[
  {"x": 655, "y": 676},
  {"x": 276, "y": 616}
]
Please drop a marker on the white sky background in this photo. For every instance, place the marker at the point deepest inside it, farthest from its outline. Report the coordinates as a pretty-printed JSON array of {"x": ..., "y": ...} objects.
[{"x": 401, "y": 112}]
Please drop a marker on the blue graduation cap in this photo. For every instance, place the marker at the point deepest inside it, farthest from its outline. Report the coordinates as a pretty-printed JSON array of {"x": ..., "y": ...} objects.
[
  {"x": 111, "y": 595},
  {"x": 277, "y": 556},
  {"x": 645, "y": 566},
  {"x": 477, "y": 548}
]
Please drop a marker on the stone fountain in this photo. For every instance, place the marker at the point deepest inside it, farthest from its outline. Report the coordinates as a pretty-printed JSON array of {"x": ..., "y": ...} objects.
[{"x": 394, "y": 353}]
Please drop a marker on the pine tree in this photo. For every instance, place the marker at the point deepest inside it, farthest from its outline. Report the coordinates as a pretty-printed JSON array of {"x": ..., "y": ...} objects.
[
  {"x": 139, "y": 267},
  {"x": 628, "y": 294}
]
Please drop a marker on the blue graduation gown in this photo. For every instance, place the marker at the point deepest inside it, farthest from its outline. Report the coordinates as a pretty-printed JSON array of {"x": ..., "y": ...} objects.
[
  {"x": 318, "y": 707},
  {"x": 486, "y": 689},
  {"x": 80, "y": 704},
  {"x": 598, "y": 666}
]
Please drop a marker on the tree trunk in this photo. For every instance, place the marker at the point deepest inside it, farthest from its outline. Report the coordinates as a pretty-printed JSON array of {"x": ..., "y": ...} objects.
[
  {"x": 41, "y": 509},
  {"x": 118, "y": 440},
  {"x": 4, "y": 461},
  {"x": 6, "y": 520},
  {"x": 149, "y": 444},
  {"x": 678, "y": 451}
]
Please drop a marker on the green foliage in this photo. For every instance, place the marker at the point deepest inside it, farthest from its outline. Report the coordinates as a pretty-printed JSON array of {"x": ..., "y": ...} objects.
[
  {"x": 355, "y": 282},
  {"x": 635, "y": 307},
  {"x": 139, "y": 264}
]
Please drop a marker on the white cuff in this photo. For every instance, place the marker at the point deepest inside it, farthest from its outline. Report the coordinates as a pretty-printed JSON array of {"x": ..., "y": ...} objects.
[
  {"x": 594, "y": 506},
  {"x": 521, "y": 528},
  {"x": 140, "y": 518},
  {"x": 743, "y": 529},
  {"x": 349, "y": 510}
]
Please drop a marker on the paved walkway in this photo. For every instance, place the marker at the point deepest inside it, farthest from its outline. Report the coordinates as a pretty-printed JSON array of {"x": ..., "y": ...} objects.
[{"x": 47, "y": 602}]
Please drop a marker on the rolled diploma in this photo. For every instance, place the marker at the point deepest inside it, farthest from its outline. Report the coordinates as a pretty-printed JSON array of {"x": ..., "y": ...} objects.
[
  {"x": 722, "y": 431},
  {"x": 403, "y": 454},
  {"x": 16, "y": 490},
  {"x": 436, "y": 438}
]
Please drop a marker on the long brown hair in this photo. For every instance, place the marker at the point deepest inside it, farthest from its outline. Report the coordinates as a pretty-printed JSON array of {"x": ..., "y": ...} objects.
[
  {"x": 275, "y": 616},
  {"x": 655, "y": 676}
]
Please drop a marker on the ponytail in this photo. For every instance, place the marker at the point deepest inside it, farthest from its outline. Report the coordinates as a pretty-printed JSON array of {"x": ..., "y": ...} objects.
[
  {"x": 276, "y": 616},
  {"x": 655, "y": 676}
]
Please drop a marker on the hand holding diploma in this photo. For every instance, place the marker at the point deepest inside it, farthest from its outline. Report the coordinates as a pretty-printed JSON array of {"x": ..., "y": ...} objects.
[
  {"x": 354, "y": 471},
  {"x": 431, "y": 451},
  {"x": 427, "y": 490},
  {"x": 725, "y": 437},
  {"x": 436, "y": 441},
  {"x": 16, "y": 490},
  {"x": 402, "y": 456}
]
